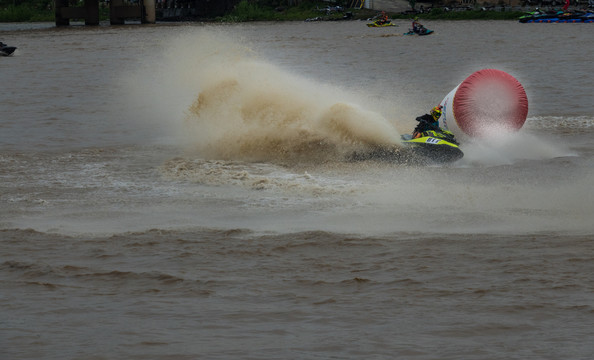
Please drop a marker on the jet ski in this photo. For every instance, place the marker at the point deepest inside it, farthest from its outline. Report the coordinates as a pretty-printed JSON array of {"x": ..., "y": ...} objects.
[
  {"x": 431, "y": 148},
  {"x": 6, "y": 50},
  {"x": 420, "y": 32},
  {"x": 380, "y": 24},
  {"x": 434, "y": 146},
  {"x": 381, "y": 20}
]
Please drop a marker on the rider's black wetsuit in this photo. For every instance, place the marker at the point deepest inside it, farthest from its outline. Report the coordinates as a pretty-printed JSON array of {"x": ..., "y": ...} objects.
[{"x": 428, "y": 123}]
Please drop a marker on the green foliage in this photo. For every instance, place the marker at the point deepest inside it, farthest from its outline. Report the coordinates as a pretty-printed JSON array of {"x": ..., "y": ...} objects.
[
  {"x": 36, "y": 4},
  {"x": 247, "y": 11},
  {"x": 257, "y": 10},
  {"x": 274, "y": 11},
  {"x": 440, "y": 14},
  {"x": 25, "y": 13},
  {"x": 473, "y": 15}
]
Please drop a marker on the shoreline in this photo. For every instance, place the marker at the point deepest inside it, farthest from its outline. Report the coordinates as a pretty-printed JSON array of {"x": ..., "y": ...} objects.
[{"x": 17, "y": 14}]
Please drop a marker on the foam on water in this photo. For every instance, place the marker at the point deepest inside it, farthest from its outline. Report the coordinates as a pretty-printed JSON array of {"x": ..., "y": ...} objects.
[
  {"x": 563, "y": 123},
  {"x": 255, "y": 176},
  {"x": 507, "y": 148}
]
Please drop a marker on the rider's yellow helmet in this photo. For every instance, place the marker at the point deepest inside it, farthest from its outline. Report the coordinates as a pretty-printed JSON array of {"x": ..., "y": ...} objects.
[{"x": 436, "y": 112}]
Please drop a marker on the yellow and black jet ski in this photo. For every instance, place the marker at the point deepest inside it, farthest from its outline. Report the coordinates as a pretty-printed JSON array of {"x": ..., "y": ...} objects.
[
  {"x": 378, "y": 23},
  {"x": 434, "y": 146},
  {"x": 431, "y": 148}
]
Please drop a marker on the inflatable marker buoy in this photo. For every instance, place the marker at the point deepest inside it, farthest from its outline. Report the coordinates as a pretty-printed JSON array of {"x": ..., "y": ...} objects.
[{"x": 487, "y": 101}]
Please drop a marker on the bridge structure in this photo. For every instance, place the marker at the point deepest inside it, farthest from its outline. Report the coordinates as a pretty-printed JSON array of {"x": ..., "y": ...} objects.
[
  {"x": 146, "y": 10},
  {"x": 119, "y": 11}
]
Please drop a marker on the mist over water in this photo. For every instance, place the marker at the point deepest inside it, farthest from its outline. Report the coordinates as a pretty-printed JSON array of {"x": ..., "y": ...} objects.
[
  {"x": 237, "y": 105},
  {"x": 501, "y": 148},
  {"x": 225, "y": 109},
  {"x": 246, "y": 108},
  {"x": 240, "y": 107},
  {"x": 181, "y": 191}
]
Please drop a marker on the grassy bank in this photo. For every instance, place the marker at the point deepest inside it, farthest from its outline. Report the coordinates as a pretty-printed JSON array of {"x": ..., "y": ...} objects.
[
  {"x": 246, "y": 11},
  {"x": 42, "y": 10},
  {"x": 25, "y": 13},
  {"x": 440, "y": 14},
  {"x": 35, "y": 11}
]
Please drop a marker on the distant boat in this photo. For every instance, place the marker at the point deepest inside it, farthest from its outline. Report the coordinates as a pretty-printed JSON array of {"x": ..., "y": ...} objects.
[
  {"x": 6, "y": 50},
  {"x": 558, "y": 17}
]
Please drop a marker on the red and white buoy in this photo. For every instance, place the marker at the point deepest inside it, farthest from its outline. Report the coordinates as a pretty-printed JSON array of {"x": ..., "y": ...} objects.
[{"x": 487, "y": 101}]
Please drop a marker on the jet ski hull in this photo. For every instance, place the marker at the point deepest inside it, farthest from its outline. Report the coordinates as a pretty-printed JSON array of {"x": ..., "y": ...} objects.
[
  {"x": 422, "y": 33},
  {"x": 435, "y": 154},
  {"x": 381, "y": 25},
  {"x": 7, "y": 50},
  {"x": 425, "y": 150}
]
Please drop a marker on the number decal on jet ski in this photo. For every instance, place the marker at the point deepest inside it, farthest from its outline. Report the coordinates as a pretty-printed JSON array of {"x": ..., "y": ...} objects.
[{"x": 432, "y": 140}]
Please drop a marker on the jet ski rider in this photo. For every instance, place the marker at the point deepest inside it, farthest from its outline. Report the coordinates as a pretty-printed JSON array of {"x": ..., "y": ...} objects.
[
  {"x": 417, "y": 27},
  {"x": 382, "y": 18},
  {"x": 430, "y": 122}
]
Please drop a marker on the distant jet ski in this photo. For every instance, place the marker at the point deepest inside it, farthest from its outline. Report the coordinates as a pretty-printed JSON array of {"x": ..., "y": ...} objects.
[
  {"x": 421, "y": 32},
  {"x": 378, "y": 23},
  {"x": 6, "y": 50},
  {"x": 432, "y": 147},
  {"x": 381, "y": 20}
]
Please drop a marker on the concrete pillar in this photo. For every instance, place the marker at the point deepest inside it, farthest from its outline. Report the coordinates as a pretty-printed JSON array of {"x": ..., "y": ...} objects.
[
  {"x": 149, "y": 15},
  {"x": 114, "y": 18},
  {"x": 60, "y": 20},
  {"x": 92, "y": 9}
]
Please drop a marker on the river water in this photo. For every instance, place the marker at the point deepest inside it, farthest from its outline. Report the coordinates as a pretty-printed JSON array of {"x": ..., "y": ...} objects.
[{"x": 181, "y": 191}]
